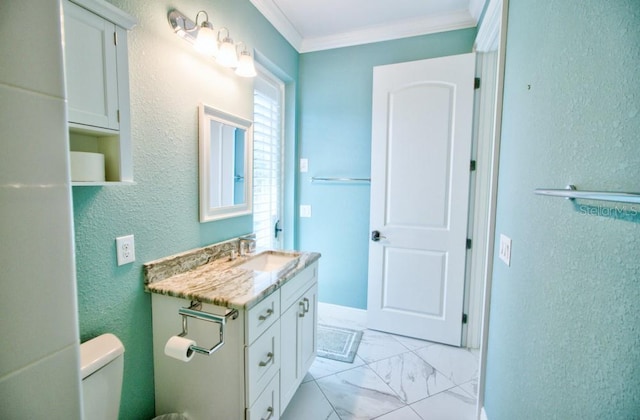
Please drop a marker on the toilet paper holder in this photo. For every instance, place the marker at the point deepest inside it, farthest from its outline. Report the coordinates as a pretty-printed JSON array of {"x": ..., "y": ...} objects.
[{"x": 194, "y": 311}]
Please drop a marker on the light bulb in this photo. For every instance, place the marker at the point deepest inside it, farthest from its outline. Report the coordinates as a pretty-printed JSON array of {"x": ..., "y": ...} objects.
[
  {"x": 206, "y": 40},
  {"x": 227, "y": 55},
  {"x": 246, "y": 68}
]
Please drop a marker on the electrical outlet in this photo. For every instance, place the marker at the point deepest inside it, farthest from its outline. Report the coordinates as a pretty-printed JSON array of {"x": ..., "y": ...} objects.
[
  {"x": 305, "y": 210},
  {"x": 125, "y": 250},
  {"x": 505, "y": 249},
  {"x": 304, "y": 165}
]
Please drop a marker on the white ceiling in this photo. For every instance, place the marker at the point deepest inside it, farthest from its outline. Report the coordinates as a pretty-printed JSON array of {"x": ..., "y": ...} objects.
[{"x": 312, "y": 25}]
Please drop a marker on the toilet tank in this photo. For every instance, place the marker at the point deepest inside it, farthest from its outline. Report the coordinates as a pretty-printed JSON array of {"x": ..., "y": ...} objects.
[{"x": 101, "y": 367}]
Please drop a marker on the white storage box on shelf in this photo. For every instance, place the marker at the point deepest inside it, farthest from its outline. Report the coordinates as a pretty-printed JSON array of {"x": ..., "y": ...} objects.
[{"x": 87, "y": 167}]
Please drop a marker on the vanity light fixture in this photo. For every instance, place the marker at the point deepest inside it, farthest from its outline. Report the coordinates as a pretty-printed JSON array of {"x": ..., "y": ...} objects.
[
  {"x": 205, "y": 39},
  {"x": 245, "y": 68},
  {"x": 228, "y": 56}
]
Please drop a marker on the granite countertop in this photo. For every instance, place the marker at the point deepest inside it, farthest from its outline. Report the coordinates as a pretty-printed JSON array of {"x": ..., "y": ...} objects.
[{"x": 218, "y": 279}]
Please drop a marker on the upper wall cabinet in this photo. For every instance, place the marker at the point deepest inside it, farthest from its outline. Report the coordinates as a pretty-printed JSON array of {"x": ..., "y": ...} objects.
[{"x": 97, "y": 80}]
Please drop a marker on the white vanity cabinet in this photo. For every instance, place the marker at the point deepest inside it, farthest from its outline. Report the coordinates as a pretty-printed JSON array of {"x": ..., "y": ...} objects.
[
  {"x": 298, "y": 326},
  {"x": 267, "y": 352},
  {"x": 97, "y": 80}
]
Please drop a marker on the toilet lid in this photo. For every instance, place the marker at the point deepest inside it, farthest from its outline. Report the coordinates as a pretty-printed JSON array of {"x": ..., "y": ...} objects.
[{"x": 98, "y": 352}]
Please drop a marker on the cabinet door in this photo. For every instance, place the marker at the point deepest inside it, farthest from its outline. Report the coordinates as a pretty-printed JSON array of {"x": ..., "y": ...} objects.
[
  {"x": 298, "y": 326},
  {"x": 289, "y": 370},
  {"x": 307, "y": 330},
  {"x": 90, "y": 66}
]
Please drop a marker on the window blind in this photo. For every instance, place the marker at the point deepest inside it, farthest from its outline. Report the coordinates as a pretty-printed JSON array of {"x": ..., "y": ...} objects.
[{"x": 267, "y": 161}]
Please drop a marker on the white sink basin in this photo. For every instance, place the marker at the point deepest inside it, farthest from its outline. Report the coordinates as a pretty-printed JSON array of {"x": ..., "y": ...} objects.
[{"x": 267, "y": 261}]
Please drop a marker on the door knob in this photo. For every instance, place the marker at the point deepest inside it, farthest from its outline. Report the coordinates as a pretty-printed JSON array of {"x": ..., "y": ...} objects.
[{"x": 375, "y": 236}]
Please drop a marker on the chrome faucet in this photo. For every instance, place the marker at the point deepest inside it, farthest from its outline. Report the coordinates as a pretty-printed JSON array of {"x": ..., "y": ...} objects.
[{"x": 247, "y": 244}]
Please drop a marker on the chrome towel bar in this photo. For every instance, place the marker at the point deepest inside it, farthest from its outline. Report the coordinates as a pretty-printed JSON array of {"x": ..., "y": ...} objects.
[
  {"x": 194, "y": 312},
  {"x": 338, "y": 179},
  {"x": 572, "y": 193}
]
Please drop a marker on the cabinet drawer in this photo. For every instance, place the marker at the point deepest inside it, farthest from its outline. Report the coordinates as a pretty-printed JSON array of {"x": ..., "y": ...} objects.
[
  {"x": 262, "y": 362},
  {"x": 267, "y": 406},
  {"x": 262, "y": 316},
  {"x": 294, "y": 288}
]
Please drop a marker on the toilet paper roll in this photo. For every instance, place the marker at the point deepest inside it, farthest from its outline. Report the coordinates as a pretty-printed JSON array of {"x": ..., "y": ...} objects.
[{"x": 179, "y": 348}]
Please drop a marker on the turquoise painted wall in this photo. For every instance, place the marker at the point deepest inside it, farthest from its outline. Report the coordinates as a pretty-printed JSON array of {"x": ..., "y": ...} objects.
[
  {"x": 168, "y": 79},
  {"x": 335, "y": 135},
  {"x": 564, "y": 337}
]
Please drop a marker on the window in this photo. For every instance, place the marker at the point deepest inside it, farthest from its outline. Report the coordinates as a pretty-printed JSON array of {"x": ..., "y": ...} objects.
[{"x": 267, "y": 160}]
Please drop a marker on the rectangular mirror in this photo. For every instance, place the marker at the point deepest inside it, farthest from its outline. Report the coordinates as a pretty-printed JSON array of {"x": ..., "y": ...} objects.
[{"x": 225, "y": 161}]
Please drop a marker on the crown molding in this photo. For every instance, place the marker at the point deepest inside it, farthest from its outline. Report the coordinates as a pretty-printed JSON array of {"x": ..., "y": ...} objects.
[
  {"x": 460, "y": 19},
  {"x": 400, "y": 29},
  {"x": 279, "y": 21},
  {"x": 476, "y": 7}
]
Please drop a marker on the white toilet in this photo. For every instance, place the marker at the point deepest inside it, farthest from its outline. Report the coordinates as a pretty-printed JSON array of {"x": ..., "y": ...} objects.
[{"x": 101, "y": 367}]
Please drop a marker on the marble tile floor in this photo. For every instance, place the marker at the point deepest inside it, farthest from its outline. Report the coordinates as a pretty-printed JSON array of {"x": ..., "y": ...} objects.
[{"x": 391, "y": 378}]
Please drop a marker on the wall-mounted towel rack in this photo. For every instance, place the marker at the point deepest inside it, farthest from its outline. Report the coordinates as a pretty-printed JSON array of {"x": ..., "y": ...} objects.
[
  {"x": 194, "y": 311},
  {"x": 338, "y": 179},
  {"x": 572, "y": 193}
]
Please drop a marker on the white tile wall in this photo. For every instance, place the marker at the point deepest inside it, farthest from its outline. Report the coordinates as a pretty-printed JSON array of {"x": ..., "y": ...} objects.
[
  {"x": 32, "y": 148},
  {"x": 39, "y": 365},
  {"x": 30, "y": 50},
  {"x": 38, "y": 292},
  {"x": 44, "y": 390}
]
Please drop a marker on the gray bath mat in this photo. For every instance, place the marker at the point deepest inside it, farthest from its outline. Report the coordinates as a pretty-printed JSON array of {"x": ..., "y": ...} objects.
[{"x": 338, "y": 343}]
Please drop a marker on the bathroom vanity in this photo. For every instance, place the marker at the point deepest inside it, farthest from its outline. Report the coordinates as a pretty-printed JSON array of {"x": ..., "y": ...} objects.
[{"x": 269, "y": 343}]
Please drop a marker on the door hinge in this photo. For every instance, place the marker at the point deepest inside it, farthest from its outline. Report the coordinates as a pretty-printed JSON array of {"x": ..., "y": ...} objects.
[
  {"x": 468, "y": 243},
  {"x": 115, "y": 38},
  {"x": 118, "y": 116},
  {"x": 465, "y": 318},
  {"x": 472, "y": 166},
  {"x": 476, "y": 83}
]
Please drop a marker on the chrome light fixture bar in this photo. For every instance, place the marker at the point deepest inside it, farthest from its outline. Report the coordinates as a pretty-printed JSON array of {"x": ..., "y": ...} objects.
[
  {"x": 183, "y": 26},
  {"x": 206, "y": 40}
]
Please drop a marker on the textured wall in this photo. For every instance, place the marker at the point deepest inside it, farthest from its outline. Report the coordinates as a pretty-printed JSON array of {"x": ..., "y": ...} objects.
[
  {"x": 335, "y": 135},
  {"x": 168, "y": 79},
  {"x": 563, "y": 339}
]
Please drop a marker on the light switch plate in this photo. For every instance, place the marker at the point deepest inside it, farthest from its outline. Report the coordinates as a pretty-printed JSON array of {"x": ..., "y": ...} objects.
[
  {"x": 125, "y": 250},
  {"x": 304, "y": 165},
  {"x": 505, "y": 249},
  {"x": 305, "y": 210}
]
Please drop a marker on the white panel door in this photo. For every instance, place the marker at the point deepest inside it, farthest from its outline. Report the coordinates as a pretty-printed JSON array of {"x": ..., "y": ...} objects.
[{"x": 421, "y": 149}]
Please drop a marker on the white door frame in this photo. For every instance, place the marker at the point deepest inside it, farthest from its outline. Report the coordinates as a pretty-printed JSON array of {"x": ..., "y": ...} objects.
[{"x": 490, "y": 48}]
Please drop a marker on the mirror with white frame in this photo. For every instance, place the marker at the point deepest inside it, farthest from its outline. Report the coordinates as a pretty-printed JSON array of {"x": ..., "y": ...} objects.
[{"x": 225, "y": 160}]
